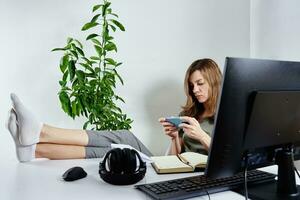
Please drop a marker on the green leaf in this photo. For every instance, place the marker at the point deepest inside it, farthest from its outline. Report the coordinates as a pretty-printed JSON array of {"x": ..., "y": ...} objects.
[
  {"x": 94, "y": 19},
  {"x": 78, "y": 108},
  {"x": 69, "y": 40},
  {"x": 64, "y": 63},
  {"x": 109, "y": 38},
  {"x": 65, "y": 76},
  {"x": 89, "y": 25},
  {"x": 110, "y": 82},
  {"x": 119, "y": 64},
  {"x": 118, "y": 24},
  {"x": 80, "y": 75},
  {"x": 85, "y": 125},
  {"x": 97, "y": 70},
  {"x": 119, "y": 109},
  {"x": 63, "y": 68},
  {"x": 86, "y": 59},
  {"x": 80, "y": 51},
  {"x": 88, "y": 67},
  {"x": 68, "y": 46},
  {"x": 114, "y": 15},
  {"x": 119, "y": 77},
  {"x": 75, "y": 82},
  {"x": 110, "y": 47},
  {"x": 82, "y": 105},
  {"x": 91, "y": 75},
  {"x": 95, "y": 41},
  {"x": 95, "y": 58},
  {"x": 73, "y": 46},
  {"x": 62, "y": 83},
  {"x": 109, "y": 11},
  {"x": 74, "y": 110},
  {"x": 65, "y": 102},
  {"x": 98, "y": 50},
  {"x": 92, "y": 36},
  {"x": 89, "y": 62},
  {"x": 119, "y": 98},
  {"x": 96, "y": 7},
  {"x": 59, "y": 49},
  {"x": 79, "y": 43},
  {"x": 110, "y": 61},
  {"x": 112, "y": 27},
  {"x": 71, "y": 69},
  {"x": 74, "y": 53},
  {"x": 93, "y": 83}
]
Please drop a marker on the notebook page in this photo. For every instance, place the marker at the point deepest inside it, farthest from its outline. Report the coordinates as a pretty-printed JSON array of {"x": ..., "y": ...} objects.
[{"x": 194, "y": 158}]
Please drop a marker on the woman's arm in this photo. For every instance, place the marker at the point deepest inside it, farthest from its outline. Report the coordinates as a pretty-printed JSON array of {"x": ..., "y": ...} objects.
[
  {"x": 205, "y": 139},
  {"x": 176, "y": 146},
  {"x": 194, "y": 131}
]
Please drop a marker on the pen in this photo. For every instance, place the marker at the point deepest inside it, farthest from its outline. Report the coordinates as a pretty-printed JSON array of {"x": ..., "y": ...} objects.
[{"x": 182, "y": 159}]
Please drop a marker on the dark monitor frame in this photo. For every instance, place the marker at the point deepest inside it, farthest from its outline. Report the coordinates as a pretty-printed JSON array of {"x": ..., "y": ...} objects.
[{"x": 244, "y": 80}]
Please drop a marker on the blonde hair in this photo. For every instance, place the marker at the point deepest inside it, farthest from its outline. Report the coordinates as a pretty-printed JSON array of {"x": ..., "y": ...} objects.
[{"x": 212, "y": 74}]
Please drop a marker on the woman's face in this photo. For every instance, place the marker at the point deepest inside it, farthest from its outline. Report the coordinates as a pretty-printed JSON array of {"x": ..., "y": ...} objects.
[{"x": 199, "y": 86}]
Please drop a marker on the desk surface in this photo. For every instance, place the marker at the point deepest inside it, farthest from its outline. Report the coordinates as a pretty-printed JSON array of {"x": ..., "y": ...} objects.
[{"x": 41, "y": 179}]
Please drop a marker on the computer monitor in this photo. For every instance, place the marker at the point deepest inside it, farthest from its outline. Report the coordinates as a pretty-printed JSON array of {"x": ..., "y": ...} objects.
[{"x": 258, "y": 122}]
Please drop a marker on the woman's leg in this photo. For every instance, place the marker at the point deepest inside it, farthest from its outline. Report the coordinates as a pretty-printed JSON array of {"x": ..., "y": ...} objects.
[
  {"x": 99, "y": 142},
  {"x": 70, "y": 144},
  {"x": 40, "y": 150},
  {"x": 90, "y": 144},
  {"x": 32, "y": 131},
  {"x": 54, "y": 135},
  {"x": 59, "y": 152}
]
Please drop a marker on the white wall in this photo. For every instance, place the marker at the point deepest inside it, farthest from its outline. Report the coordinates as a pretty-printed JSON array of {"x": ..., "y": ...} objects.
[
  {"x": 275, "y": 30},
  {"x": 162, "y": 38}
]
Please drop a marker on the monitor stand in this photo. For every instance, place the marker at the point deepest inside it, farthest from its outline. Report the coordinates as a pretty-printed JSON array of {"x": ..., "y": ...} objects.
[{"x": 284, "y": 188}]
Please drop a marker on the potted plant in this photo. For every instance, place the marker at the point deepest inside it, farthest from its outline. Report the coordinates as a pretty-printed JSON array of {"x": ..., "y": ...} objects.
[{"x": 88, "y": 82}]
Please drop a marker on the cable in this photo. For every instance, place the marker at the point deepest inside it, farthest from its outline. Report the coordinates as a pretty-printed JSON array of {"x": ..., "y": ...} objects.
[
  {"x": 245, "y": 178},
  {"x": 245, "y": 183},
  {"x": 297, "y": 172},
  {"x": 207, "y": 193}
]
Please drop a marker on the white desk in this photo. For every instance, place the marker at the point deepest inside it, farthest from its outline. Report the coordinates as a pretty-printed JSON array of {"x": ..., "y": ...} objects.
[{"x": 41, "y": 180}]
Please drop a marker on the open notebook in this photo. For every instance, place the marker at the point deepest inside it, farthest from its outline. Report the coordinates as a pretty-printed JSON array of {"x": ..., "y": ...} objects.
[{"x": 184, "y": 162}]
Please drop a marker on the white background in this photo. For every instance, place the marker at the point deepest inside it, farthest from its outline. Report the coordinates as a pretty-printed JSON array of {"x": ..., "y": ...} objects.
[{"x": 162, "y": 38}]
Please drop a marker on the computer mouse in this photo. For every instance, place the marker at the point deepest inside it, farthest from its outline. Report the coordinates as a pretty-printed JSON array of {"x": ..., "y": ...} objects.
[{"x": 74, "y": 173}]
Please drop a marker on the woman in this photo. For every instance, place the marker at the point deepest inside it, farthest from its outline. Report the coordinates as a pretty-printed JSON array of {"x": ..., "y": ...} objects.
[
  {"x": 202, "y": 87},
  {"x": 37, "y": 140}
]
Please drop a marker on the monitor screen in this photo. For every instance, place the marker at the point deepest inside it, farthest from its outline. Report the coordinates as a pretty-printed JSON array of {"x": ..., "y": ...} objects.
[{"x": 258, "y": 114}]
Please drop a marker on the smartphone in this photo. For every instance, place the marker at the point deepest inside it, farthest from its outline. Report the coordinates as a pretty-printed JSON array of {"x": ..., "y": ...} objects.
[{"x": 174, "y": 120}]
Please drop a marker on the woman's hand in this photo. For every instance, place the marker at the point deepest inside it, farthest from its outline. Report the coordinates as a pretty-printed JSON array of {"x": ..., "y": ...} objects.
[
  {"x": 172, "y": 131},
  {"x": 193, "y": 129},
  {"x": 169, "y": 128}
]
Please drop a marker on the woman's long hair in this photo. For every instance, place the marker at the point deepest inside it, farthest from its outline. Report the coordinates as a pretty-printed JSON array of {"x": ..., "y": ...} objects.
[{"x": 212, "y": 74}]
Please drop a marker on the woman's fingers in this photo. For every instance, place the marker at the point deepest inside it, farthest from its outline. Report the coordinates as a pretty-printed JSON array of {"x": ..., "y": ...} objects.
[
  {"x": 172, "y": 133},
  {"x": 172, "y": 129},
  {"x": 162, "y": 119},
  {"x": 189, "y": 120},
  {"x": 167, "y": 124},
  {"x": 186, "y": 126}
]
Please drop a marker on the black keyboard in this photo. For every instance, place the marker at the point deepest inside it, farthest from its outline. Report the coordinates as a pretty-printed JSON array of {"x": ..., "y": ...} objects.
[{"x": 201, "y": 185}]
